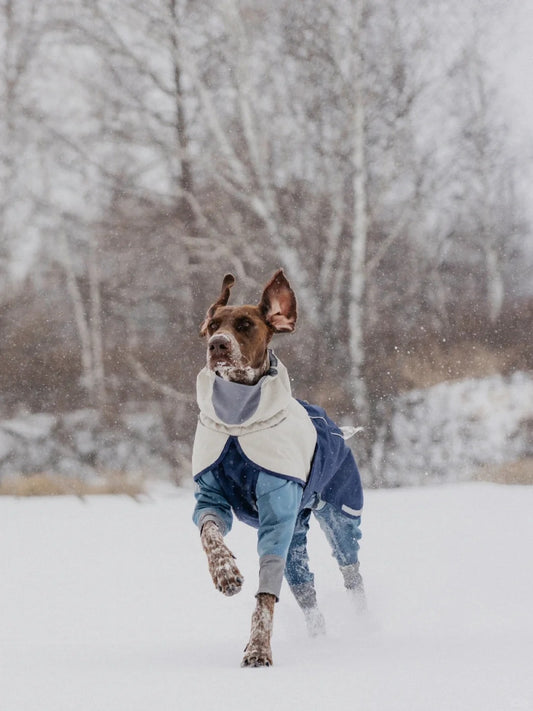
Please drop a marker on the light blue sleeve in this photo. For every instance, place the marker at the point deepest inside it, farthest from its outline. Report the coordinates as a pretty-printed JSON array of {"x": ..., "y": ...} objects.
[
  {"x": 278, "y": 503},
  {"x": 211, "y": 504}
]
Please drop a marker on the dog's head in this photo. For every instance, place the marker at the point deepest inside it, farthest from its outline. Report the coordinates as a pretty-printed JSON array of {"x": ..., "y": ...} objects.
[{"x": 238, "y": 336}]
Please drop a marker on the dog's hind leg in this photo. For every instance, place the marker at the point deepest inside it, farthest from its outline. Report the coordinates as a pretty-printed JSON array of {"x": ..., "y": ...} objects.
[
  {"x": 221, "y": 561},
  {"x": 343, "y": 534},
  {"x": 300, "y": 577},
  {"x": 258, "y": 652}
]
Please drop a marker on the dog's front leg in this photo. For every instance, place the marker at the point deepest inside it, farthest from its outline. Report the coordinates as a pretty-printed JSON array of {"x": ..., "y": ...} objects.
[
  {"x": 221, "y": 561},
  {"x": 258, "y": 652}
]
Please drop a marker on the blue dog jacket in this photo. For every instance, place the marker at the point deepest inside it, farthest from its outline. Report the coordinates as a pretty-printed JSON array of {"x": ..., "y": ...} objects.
[{"x": 272, "y": 432}]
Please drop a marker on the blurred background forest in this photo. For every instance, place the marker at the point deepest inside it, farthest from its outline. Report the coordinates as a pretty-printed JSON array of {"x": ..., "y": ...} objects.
[{"x": 148, "y": 147}]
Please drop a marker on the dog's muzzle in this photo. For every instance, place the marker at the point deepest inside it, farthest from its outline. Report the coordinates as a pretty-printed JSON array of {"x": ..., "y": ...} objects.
[{"x": 219, "y": 346}]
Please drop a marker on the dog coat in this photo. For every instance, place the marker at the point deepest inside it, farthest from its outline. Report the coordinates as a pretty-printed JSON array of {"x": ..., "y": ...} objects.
[{"x": 244, "y": 429}]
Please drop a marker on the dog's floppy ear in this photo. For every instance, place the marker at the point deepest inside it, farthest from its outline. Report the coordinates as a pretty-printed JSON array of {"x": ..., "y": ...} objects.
[
  {"x": 278, "y": 304},
  {"x": 227, "y": 283}
]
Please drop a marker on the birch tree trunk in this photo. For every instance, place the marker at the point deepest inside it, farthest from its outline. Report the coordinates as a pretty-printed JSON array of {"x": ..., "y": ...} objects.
[
  {"x": 80, "y": 318},
  {"x": 186, "y": 176},
  {"x": 495, "y": 286},
  {"x": 88, "y": 322},
  {"x": 488, "y": 223},
  {"x": 99, "y": 395},
  {"x": 357, "y": 384}
]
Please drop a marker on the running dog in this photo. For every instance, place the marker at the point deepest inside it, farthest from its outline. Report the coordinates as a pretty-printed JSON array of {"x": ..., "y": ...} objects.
[{"x": 270, "y": 460}]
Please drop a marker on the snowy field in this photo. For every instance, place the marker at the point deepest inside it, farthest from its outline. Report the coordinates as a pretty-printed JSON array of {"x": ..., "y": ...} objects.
[{"x": 106, "y": 605}]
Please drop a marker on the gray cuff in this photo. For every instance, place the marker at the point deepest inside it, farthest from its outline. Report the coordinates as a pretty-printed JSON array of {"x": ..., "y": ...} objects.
[
  {"x": 271, "y": 568},
  {"x": 210, "y": 516}
]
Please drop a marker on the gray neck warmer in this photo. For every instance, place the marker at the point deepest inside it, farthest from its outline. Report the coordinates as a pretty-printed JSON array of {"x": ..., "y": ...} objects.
[{"x": 235, "y": 403}]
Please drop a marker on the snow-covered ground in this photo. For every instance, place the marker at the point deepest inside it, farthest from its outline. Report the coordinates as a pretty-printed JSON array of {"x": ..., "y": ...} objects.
[
  {"x": 449, "y": 431},
  {"x": 106, "y": 605}
]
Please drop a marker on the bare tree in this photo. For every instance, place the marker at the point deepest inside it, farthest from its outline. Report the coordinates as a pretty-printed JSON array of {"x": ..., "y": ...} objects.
[{"x": 487, "y": 174}]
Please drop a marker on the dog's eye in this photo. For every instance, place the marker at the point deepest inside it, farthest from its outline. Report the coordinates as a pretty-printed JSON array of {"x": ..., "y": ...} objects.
[
  {"x": 212, "y": 326},
  {"x": 243, "y": 325}
]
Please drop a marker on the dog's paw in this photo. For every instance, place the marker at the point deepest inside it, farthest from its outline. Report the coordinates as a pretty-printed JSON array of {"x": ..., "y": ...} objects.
[
  {"x": 224, "y": 571},
  {"x": 257, "y": 656},
  {"x": 221, "y": 561}
]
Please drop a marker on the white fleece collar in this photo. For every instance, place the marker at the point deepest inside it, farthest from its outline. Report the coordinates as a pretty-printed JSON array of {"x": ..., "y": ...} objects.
[{"x": 273, "y": 429}]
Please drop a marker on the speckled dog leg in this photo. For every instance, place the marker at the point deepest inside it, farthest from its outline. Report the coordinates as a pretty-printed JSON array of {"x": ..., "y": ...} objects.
[{"x": 258, "y": 652}]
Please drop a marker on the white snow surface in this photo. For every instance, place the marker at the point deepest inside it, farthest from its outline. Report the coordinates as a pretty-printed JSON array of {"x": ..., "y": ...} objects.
[{"x": 107, "y": 605}]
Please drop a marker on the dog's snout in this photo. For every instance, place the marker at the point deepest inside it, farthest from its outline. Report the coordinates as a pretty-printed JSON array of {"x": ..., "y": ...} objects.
[{"x": 219, "y": 345}]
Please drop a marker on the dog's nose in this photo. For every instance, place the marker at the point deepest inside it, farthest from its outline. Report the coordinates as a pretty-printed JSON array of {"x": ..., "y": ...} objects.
[{"x": 219, "y": 345}]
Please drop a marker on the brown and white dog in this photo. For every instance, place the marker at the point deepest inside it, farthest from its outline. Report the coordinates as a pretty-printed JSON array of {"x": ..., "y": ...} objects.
[
  {"x": 237, "y": 351},
  {"x": 238, "y": 338}
]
